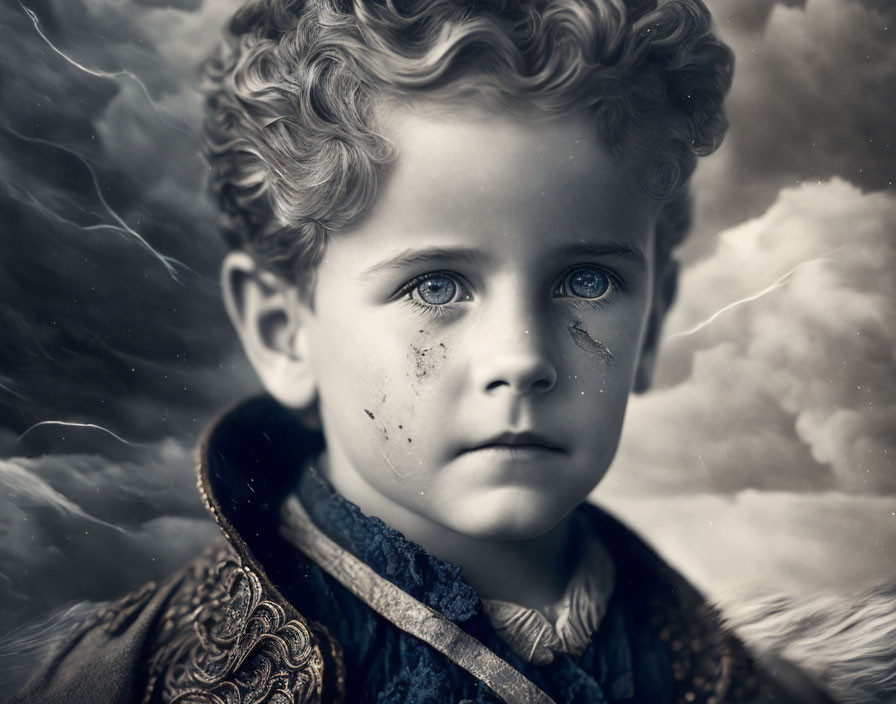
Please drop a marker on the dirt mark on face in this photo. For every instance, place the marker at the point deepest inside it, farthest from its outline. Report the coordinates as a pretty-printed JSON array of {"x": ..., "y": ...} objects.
[
  {"x": 582, "y": 339},
  {"x": 379, "y": 426},
  {"x": 427, "y": 357}
]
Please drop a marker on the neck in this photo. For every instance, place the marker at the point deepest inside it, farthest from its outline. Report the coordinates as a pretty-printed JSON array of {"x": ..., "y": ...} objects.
[{"x": 531, "y": 572}]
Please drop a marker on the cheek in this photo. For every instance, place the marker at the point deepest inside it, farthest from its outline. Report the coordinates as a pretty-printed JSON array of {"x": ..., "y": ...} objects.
[
  {"x": 601, "y": 358},
  {"x": 393, "y": 397},
  {"x": 606, "y": 343}
]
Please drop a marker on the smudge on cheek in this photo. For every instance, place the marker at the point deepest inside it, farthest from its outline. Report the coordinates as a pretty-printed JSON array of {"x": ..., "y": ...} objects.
[
  {"x": 584, "y": 340},
  {"x": 381, "y": 427},
  {"x": 426, "y": 358}
]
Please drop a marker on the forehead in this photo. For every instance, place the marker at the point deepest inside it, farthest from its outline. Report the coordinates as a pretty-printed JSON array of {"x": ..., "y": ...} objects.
[{"x": 492, "y": 178}]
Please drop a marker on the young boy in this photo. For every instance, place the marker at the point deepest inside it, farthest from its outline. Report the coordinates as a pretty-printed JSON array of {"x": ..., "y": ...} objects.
[{"x": 452, "y": 226}]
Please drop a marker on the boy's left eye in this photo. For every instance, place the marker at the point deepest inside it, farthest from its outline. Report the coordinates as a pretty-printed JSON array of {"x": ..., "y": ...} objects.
[{"x": 590, "y": 282}]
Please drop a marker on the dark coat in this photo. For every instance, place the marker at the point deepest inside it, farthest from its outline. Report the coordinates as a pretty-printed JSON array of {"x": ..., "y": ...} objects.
[{"x": 252, "y": 620}]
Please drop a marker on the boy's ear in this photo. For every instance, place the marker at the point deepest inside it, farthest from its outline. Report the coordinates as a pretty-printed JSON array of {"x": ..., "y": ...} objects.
[
  {"x": 270, "y": 319},
  {"x": 664, "y": 291}
]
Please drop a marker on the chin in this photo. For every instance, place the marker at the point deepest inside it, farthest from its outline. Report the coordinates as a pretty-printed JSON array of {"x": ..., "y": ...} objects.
[{"x": 508, "y": 514}]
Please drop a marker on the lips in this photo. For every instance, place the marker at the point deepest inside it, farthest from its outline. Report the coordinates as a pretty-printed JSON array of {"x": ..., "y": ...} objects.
[{"x": 524, "y": 440}]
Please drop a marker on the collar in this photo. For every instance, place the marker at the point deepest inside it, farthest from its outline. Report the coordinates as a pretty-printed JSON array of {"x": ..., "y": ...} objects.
[
  {"x": 575, "y": 618},
  {"x": 408, "y": 566},
  {"x": 440, "y": 586}
]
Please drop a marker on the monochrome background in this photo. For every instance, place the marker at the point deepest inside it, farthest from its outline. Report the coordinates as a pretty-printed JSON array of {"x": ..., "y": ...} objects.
[{"x": 761, "y": 462}]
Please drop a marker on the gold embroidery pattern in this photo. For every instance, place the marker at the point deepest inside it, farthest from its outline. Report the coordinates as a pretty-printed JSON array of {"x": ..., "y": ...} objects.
[{"x": 225, "y": 643}]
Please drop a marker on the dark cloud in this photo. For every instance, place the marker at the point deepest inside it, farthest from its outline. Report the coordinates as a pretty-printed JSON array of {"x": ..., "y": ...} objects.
[
  {"x": 63, "y": 516},
  {"x": 108, "y": 299},
  {"x": 111, "y": 253}
]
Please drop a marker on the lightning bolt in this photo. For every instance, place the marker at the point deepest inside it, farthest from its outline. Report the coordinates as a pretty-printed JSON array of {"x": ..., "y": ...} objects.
[
  {"x": 122, "y": 226},
  {"x": 113, "y": 75},
  {"x": 27, "y": 198},
  {"x": 783, "y": 280},
  {"x": 91, "y": 426}
]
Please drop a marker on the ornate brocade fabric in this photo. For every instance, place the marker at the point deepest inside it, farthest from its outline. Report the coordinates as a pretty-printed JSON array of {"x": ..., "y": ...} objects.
[{"x": 224, "y": 641}]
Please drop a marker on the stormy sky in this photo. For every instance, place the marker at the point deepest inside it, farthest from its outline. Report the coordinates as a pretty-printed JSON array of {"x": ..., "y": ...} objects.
[{"x": 763, "y": 456}]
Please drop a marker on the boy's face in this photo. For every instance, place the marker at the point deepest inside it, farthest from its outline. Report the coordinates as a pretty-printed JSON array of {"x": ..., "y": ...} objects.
[{"x": 474, "y": 341}]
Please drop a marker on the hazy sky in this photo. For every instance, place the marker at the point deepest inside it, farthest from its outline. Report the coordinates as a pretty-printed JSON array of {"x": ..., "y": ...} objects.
[{"x": 764, "y": 455}]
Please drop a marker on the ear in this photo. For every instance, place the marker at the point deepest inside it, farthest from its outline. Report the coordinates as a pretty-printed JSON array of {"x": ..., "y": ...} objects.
[
  {"x": 271, "y": 322},
  {"x": 664, "y": 291}
]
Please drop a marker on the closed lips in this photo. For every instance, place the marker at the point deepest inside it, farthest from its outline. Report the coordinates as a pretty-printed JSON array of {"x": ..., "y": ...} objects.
[{"x": 519, "y": 440}]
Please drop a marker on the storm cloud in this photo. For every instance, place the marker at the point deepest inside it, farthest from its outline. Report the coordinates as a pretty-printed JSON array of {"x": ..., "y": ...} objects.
[
  {"x": 109, "y": 303},
  {"x": 109, "y": 298},
  {"x": 68, "y": 519}
]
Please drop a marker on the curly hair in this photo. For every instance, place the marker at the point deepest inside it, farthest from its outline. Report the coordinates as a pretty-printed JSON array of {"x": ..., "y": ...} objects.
[{"x": 293, "y": 94}]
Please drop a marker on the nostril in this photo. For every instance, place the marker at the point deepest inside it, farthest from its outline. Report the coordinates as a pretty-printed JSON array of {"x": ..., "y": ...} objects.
[
  {"x": 538, "y": 386},
  {"x": 542, "y": 385}
]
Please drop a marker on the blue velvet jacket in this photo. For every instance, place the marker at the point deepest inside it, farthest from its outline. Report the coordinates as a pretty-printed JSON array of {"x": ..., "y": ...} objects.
[{"x": 254, "y": 620}]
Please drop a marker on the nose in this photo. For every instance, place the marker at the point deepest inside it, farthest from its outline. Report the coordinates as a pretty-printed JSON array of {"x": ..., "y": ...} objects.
[{"x": 515, "y": 359}]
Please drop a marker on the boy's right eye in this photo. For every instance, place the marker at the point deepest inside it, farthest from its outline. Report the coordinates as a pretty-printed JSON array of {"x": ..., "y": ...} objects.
[{"x": 436, "y": 289}]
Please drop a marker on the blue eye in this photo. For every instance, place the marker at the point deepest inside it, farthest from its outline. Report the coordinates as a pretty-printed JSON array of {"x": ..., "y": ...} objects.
[
  {"x": 436, "y": 289},
  {"x": 586, "y": 282}
]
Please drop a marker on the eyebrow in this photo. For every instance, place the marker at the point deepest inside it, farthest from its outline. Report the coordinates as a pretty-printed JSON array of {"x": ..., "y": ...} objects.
[
  {"x": 618, "y": 250},
  {"x": 469, "y": 255},
  {"x": 414, "y": 257}
]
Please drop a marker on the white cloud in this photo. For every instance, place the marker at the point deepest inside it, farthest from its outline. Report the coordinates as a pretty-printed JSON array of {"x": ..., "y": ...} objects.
[{"x": 792, "y": 390}]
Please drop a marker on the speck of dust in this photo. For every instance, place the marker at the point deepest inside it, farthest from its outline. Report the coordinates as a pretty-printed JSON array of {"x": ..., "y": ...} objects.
[{"x": 369, "y": 414}]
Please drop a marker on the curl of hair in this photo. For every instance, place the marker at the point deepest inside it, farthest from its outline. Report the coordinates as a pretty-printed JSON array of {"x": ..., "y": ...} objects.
[{"x": 292, "y": 95}]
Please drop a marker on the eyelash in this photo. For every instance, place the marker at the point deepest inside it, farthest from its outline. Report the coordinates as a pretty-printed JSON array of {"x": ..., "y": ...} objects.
[{"x": 405, "y": 293}]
